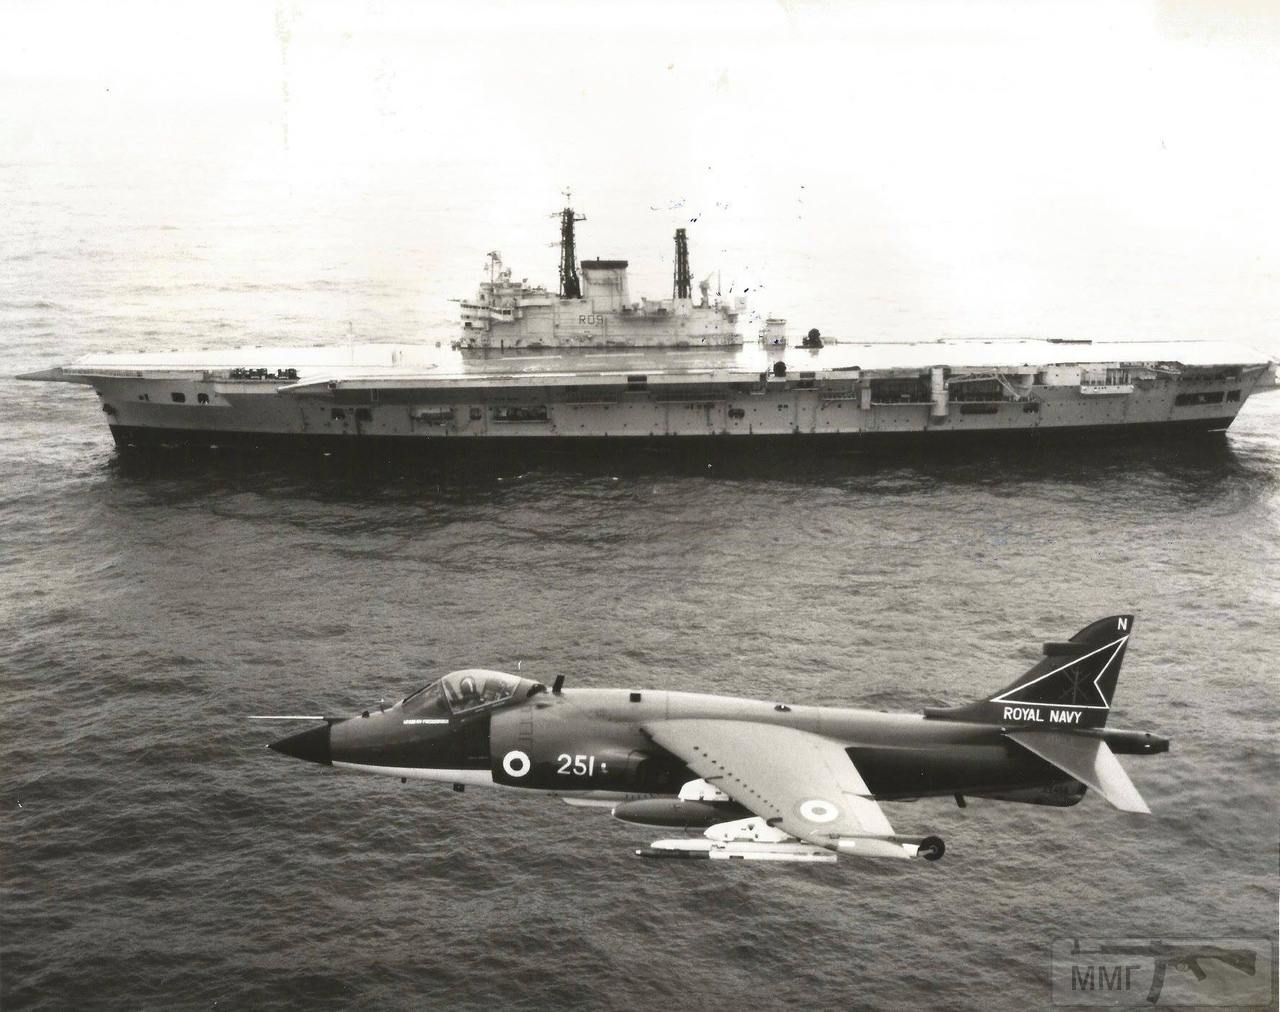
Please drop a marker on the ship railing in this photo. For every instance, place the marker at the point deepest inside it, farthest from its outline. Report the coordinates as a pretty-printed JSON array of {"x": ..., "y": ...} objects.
[{"x": 241, "y": 373}]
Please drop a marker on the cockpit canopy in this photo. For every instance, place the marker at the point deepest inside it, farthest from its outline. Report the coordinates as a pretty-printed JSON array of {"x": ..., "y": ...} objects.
[{"x": 468, "y": 690}]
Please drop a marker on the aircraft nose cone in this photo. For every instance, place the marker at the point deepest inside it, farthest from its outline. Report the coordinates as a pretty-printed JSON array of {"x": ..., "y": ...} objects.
[{"x": 311, "y": 745}]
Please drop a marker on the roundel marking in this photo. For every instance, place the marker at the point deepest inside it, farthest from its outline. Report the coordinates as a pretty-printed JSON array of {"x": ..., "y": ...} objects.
[
  {"x": 819, "y": 810},
  {"x": 516, "y": 763}
]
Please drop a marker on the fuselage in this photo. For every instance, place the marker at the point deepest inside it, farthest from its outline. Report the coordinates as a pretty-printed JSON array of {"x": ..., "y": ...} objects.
[{"x": 590, "y": 744}]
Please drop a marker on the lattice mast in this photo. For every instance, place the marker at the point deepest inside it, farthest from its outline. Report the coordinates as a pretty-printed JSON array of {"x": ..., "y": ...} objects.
[
  {"x": 570, "y": 286},
  {"x": 681, "y": 285}
]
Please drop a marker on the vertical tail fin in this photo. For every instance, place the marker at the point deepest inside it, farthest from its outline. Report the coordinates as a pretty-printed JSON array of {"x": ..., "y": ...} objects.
[{"x": 1071, "y": 686}]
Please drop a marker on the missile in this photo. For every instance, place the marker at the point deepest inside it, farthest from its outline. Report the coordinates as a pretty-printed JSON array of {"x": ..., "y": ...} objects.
[{"x": 712, "y": 850}]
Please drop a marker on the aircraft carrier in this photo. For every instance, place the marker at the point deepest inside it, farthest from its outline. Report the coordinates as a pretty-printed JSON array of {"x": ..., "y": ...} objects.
[{"x": 586, "y": 366}]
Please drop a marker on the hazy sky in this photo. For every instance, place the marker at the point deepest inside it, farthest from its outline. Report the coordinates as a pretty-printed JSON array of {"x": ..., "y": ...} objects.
[{"x": 999, "y": 145}]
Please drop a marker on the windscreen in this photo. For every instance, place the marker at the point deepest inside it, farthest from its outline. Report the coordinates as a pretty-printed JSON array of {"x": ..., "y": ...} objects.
[{"x": 427, "y": 702}]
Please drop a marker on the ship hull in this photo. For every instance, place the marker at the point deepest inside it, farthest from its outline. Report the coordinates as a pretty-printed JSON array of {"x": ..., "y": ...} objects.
[{"x": 460, "y": 449}]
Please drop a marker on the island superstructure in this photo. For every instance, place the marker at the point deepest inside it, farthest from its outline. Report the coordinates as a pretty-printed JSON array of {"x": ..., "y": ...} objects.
[
  {"x": 595, "y": 310},
  {"x": 586, "y": 365}
]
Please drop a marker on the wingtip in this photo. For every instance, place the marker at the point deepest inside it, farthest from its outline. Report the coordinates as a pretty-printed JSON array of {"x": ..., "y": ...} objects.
[{"x": 1135, "y": 805}]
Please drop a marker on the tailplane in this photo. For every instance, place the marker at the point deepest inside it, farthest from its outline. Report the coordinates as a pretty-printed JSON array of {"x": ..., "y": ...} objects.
[
  {"x": 1071, "y": 686},
  {"x": 1089, "y": 761}
]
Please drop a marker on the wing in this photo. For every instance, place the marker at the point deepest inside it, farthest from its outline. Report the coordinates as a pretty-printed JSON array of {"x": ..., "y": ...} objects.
[{"x": 802, "y": 783}]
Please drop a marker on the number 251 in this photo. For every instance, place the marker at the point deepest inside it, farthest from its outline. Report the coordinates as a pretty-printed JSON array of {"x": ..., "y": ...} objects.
[{"x": 576, "y": 765}]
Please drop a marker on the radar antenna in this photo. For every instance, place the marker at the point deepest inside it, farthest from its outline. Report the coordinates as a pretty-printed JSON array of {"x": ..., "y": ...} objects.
[
  {"x": 570, "y": 286},
  {"x": 680, "y": 288}
]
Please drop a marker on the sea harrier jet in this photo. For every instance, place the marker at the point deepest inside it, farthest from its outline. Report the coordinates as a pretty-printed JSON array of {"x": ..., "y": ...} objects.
[{"x": 764, "y": 780}]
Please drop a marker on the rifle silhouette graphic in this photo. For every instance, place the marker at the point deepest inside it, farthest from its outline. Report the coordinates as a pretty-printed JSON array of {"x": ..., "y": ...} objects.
[{"x": 1180, "y": 957}]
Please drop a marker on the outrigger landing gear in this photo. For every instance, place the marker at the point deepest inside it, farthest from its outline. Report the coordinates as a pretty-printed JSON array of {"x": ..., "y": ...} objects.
[{"x": 931, "y": 848}]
